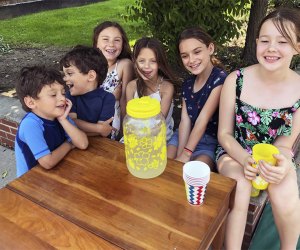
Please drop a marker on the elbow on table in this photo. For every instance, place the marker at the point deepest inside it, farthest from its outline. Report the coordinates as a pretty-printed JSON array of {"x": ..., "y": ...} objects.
[
  {"x": 47, "y": 162},
  {"x": 83, "y": 144},
  {"x": 81, "y": 141},
  {"x": 46, "y": 165}
]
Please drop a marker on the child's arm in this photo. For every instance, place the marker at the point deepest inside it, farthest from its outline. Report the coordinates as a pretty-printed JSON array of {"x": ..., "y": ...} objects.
[
  {"x": 130, "y": 90},
  {"x": 102, "y": 128},
  {"x": 79, "y": 138},
  {"x": 31, "y": 132},
  {"x": 227, "y": 124},
  {"x": 183, "y": 133},
  {"x": 50, "y": 160},
  {"x": 204, "y": 117},
  {"x": 167, "y": 92},
  {"x": 127, "y": 74}
]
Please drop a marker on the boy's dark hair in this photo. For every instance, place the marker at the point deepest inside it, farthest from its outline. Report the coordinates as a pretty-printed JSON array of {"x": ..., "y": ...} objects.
[
  {"x": 85, "y": 59},
  {"x": 126, "y": 51},
  {"x": 33, "y": 79}
]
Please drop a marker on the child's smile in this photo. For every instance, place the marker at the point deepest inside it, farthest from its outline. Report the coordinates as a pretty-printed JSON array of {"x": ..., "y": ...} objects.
[
  {"x": 271, "y": 59},
  {"x": 274, "y": 50},
  {"x": 147, "y": 64},
  {"x": 75, "y": 80},
  {"x": 110, "y": 42}
]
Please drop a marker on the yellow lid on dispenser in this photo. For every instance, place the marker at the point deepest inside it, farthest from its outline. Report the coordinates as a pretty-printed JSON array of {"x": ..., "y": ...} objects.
[{"x": 142, "y": 108}]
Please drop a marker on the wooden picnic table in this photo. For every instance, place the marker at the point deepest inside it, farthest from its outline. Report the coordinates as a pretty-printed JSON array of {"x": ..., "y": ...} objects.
[
  {"x": 93, "y": 191},
  {"x": 26, "y": 225}
]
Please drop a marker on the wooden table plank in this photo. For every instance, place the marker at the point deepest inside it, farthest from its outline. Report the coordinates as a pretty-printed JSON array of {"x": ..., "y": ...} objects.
[
  {"x": 26, "y": 225},
  {"x": 94, "y": 190}
]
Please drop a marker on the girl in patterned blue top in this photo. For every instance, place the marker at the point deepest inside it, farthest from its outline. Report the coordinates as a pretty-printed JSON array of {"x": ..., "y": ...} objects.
[
  {"x": 111, "y": 39},
  {"x": 196, "y": 138},
  {"x": 260, "y": 104}
]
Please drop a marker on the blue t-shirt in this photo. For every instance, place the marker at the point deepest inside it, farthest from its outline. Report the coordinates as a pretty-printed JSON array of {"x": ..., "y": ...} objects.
[
  {"x": 37, "y": 137},
  {"x": 94, "y": 106},
  {"x": 196, "y": 101}
]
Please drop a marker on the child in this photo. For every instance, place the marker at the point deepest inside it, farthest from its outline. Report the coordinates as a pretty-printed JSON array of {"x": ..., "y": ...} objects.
[
  {"x": 259, "y": 104},
  {"x": 155, "y": 77},
  {"x": 196, "y": 138},
  {"x": 85, "y": 69},
  {"x": 111, "y": 39},
  {"x": 46, "y": 133}
]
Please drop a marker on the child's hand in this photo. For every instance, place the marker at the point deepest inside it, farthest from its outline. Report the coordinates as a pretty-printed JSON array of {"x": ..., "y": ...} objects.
[
  {"x": 183, "y": 157},
  {"x": 67, "y": 110},
  {"x": 249, "y": 171},
  {"x": 275, "y": 174},
  {"x": 105, "y": 128}
]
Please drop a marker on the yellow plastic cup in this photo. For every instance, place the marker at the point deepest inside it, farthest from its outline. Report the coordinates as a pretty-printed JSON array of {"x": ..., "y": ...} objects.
[
  {"x": 265, "y": 152},
  {"x": 254, "y": 192}
]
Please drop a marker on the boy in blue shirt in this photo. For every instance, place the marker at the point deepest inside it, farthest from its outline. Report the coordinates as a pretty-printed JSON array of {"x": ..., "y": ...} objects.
[
  {"x": 46, "y": 133},
  {"x": 85, "y": 69}
]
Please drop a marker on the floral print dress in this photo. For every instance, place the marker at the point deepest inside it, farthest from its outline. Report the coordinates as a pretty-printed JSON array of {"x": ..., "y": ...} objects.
[{"x": 256, "y": 125}]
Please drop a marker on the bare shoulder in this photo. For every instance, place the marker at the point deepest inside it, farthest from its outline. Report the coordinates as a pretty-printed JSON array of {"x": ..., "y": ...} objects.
[
  {"x": 166, "y": 89},
  {"x": 130, "y": 90},
  {"x": 231, "y": 78},
  {"x": 247, "y": 71},
  {"x": 166, "y": 86},
  {"x": 125, "y": 63}
]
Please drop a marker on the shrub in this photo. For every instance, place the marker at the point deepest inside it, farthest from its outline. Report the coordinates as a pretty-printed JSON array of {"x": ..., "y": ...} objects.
[{"x": 223, "y": 20}]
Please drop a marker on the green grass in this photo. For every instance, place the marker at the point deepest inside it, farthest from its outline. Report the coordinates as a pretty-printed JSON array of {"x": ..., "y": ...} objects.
[{"x": 66, "y": 27}]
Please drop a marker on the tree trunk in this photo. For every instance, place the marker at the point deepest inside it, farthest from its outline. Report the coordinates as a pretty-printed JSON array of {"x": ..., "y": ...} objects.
[{"x": 257, "y": 13}]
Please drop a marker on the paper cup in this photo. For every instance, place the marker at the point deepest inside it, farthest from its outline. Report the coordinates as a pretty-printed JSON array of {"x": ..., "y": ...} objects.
[
  {"x": 195, "y": 194},
  {"x": 196, "y": 175}
]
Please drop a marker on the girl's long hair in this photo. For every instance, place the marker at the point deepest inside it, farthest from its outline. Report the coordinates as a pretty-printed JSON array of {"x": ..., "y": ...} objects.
[
  {"x": 164, "y": 68},
  {"x": 200, "y": 35},
  {"x": 126, "y": 51}
]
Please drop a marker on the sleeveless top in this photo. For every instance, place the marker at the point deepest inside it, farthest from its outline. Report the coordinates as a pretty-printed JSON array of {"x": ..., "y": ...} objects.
[
  {"x": 195, "y": 101},
  {"x": 112, "y": 80},
  {"x": 110, "y": 83},
  {"x": 256, "y": 125},
  {"x": 169, "y": 118}
]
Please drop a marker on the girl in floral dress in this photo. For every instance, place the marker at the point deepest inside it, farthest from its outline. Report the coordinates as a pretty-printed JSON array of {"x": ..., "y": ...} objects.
[
  {"x": 260, "y": 104},
  {"x": 111, "y": 39}
]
